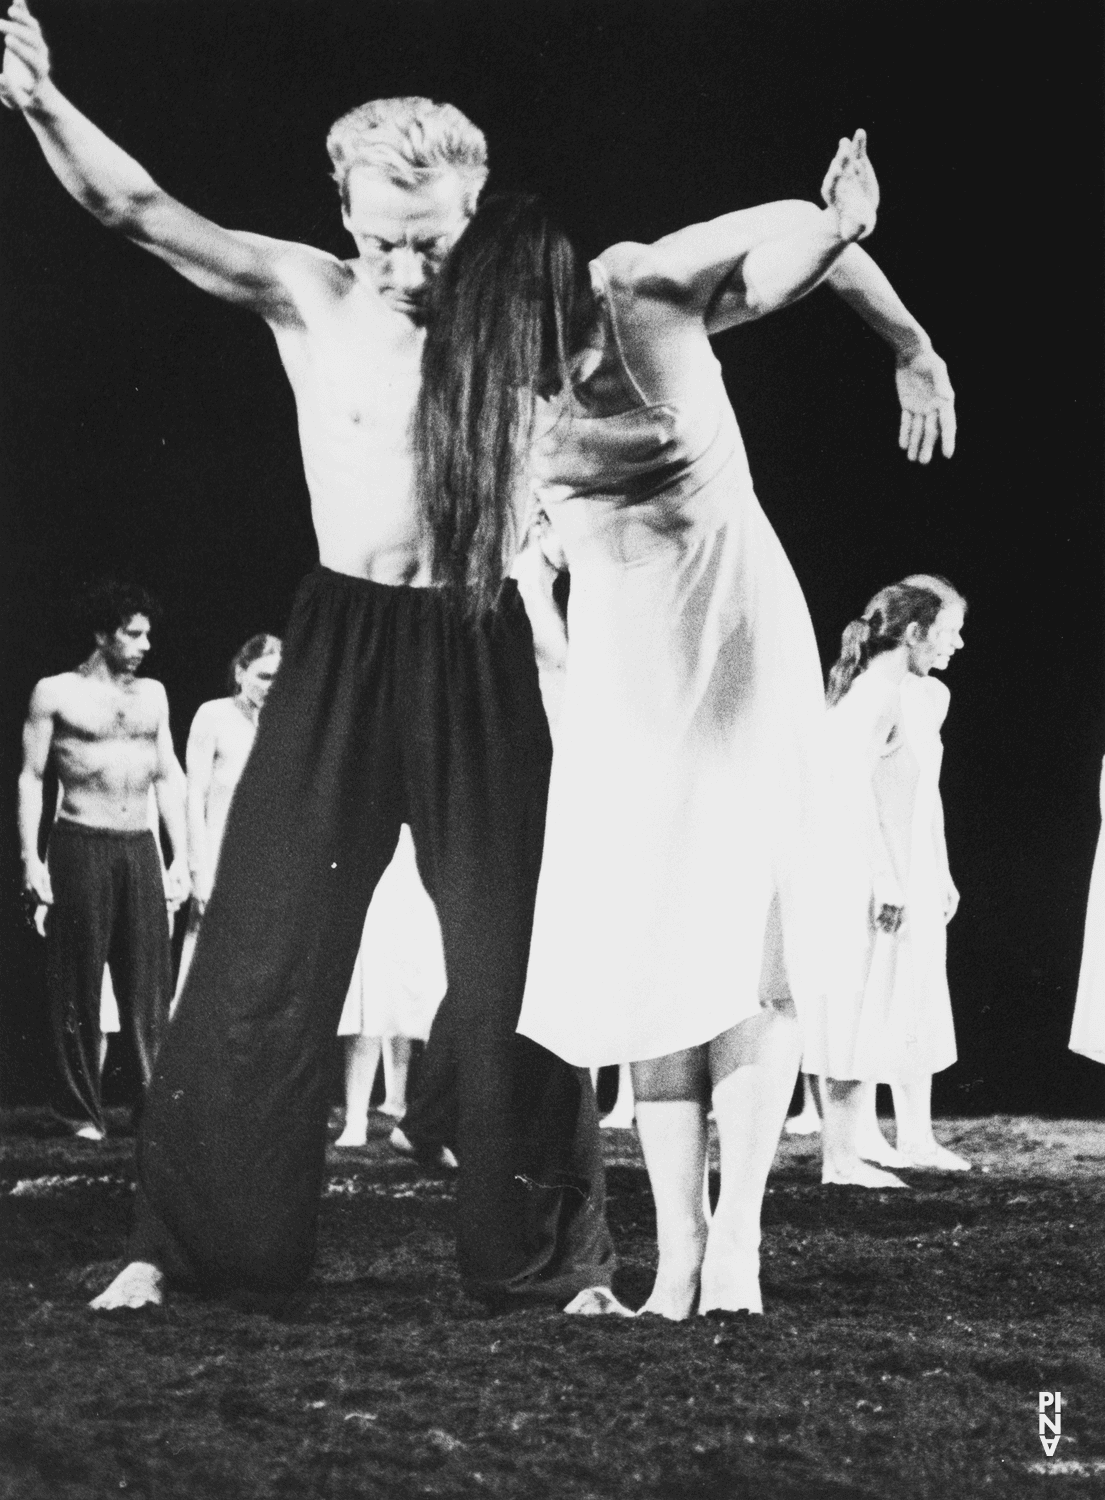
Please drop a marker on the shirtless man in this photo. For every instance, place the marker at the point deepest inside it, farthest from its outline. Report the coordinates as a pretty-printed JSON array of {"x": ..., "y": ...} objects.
[
  {"x": 219, "y": 742},
  {"x": 106, "y": 730},
  {"x": 389, "y": 708}
]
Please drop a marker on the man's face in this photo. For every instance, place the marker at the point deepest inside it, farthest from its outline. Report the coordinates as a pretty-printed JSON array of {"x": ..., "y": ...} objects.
[
  {"x": 933, "y": 652},
  {"x": 404, "y": 234},
  {"x": 255, "y": 680},
  {"x": 125, "y": 649}
]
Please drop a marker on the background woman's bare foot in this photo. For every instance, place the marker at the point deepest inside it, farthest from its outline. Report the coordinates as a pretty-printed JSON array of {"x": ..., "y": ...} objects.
[
  {"x": 859, "y": 1174},
  {"x": 936, "y": 1158},
  {"x": 875, "y": 1147},
  {"x": 351, "y": 1136},
  {"x": 140, "y": 1284},
  {"x": 597, "y": 1302}
]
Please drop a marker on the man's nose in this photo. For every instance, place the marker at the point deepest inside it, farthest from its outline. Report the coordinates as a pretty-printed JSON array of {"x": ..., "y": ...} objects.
[{"x": 408, "y": 269}]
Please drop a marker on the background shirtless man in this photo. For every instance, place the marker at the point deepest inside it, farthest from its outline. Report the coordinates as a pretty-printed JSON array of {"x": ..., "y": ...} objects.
[
  {"x": 106, "y": 732},
  {"x": 389, "y": 708},
  {"x": 219, "y": 743}
]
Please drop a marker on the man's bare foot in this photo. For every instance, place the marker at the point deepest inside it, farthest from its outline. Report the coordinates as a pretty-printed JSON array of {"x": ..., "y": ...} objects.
[
  {"x": 597, "y": 1302},
  {"x": 936, "y": 1158},
  {"x": 442, "y": 1157},
  {"x": 859, "y": 1174},
  {"x": 807, "y": 1123},
  {"x": 396, "y": 1109},
  {"x": 141, "y": 1284},
  {"x": 89, "y": 1133},
  {"x": 351, "y": 1136}
]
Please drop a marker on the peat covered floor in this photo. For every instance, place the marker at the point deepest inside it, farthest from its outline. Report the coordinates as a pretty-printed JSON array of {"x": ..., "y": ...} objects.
[{"x": 907, "y": 1339}]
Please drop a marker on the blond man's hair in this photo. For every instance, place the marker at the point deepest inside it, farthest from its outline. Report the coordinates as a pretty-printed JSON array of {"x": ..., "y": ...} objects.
[{"x": 409, "y": 141}]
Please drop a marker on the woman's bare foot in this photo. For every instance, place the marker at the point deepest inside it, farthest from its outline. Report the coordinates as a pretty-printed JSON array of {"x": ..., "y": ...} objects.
[
  {"x": 394, "y": 1108},
  {"x": 618, "y": 1119},
  {"x": 140, "y": 1284},
  {"x": 351, "y": 1136},
  {"x": 730, "y": 1280},
  {"x": 858, "y": 1174},
  {"x": 597, "y": 1302},
  {"x": 935, "y": 1158},
  {"x": 89, "y": 1133},
  {"x": 875, "y": 1147}
]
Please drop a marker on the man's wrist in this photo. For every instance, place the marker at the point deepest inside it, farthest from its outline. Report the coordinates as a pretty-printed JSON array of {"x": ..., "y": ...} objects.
[{"x": 43, "y": 105}]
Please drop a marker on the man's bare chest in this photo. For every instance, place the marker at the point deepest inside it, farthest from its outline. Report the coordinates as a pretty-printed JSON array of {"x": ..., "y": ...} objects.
[{"x": 91, "y": 715}]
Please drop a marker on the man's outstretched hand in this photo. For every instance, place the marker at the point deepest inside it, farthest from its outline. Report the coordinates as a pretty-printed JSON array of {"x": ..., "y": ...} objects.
[
  {"x": 26, "y": 57},
  {"x": 928, "y": 407}
]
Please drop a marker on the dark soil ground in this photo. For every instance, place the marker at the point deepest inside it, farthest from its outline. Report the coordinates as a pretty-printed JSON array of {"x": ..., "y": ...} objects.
[{"x": 906, "y": 1340}]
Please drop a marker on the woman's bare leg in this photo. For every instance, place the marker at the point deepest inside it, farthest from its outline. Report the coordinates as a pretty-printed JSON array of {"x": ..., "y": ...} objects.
[
  {"x": 808, "y": 1120},
  {"x": 362, "y": 1057},
  {"x": 871, "y": 1144},
  {"x": 841, "y": 1163},
  {"x": 916, "y": 1142},
  {"x": 621, "y": 1116},
  {"x": 753, "y": 1066},
  {"x": 671, "y": 1122},
  {"x": 397, "y": 1061}
]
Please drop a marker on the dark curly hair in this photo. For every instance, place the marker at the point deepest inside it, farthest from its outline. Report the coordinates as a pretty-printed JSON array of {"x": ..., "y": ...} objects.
[{"x": 109, "y": 603}]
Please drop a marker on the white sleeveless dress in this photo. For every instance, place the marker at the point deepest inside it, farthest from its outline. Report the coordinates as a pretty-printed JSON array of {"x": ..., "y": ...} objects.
[
  {"x": 683, "y": 775},
  {"x": 1087, "y": 1034},
  {"x": 399, "y": 978},
  {"x": 885, "y": 1009}
]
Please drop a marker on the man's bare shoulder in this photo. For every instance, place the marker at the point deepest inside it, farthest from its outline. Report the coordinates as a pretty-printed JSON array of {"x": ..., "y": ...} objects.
[
  {"x": 211, "y": 714},
  {"x": 307, "y": 272}
]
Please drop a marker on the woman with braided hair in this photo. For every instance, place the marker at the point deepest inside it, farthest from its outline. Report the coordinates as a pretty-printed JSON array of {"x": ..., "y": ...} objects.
[{"x": 887, "y": 1014}]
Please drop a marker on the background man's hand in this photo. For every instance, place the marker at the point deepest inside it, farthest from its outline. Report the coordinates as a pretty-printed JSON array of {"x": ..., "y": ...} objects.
[
  {"x": 928, "y": 406},
  {"x": 178, "y": 885},
  {"x": 26, "y": 58},
  {"x": 36, "y": 882}
]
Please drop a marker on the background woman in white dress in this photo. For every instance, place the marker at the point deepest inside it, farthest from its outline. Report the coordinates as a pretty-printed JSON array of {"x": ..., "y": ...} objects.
[
  {"x": 886, "y": 1012},
  {"x": 219, "y": 742},
  {"x": 397, "y": 985},
  {"x": 686, "y": 759}
]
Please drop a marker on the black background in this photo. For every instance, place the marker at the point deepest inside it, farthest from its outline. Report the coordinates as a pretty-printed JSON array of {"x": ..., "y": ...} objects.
[{"x": 149, "y": 429}]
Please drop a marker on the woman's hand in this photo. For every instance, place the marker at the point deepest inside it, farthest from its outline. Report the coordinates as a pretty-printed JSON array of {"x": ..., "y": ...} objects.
[
  {"x": 851, "y": 188},
  {"x": 928, "y": 406}
]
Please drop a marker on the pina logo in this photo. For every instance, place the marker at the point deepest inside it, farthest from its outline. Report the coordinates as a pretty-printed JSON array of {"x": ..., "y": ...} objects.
[{"x": 1050, "y": 1401}]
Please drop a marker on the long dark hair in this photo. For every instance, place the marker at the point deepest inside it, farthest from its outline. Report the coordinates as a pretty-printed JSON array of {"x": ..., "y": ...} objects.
[
  {"x": 508, "y": 309},
  {"x": 883, "y": 625}
]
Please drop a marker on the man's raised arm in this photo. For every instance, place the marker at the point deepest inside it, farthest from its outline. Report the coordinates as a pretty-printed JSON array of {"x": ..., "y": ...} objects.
[{"x": 240, "y": 268}]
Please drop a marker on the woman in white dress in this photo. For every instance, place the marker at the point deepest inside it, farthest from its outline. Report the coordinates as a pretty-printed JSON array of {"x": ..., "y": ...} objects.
[
  {"x": 687, "y": 754},
  {"x": 1087, "y": 1033},
  {"x": 886, "y": 1012},
  {"x": 219, "y": 742},
  {"x": 397, "y": 985}
]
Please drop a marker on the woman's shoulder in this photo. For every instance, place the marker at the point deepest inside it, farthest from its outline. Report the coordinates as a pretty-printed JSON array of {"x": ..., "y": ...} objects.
[{"x": 933, "y": 694}]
